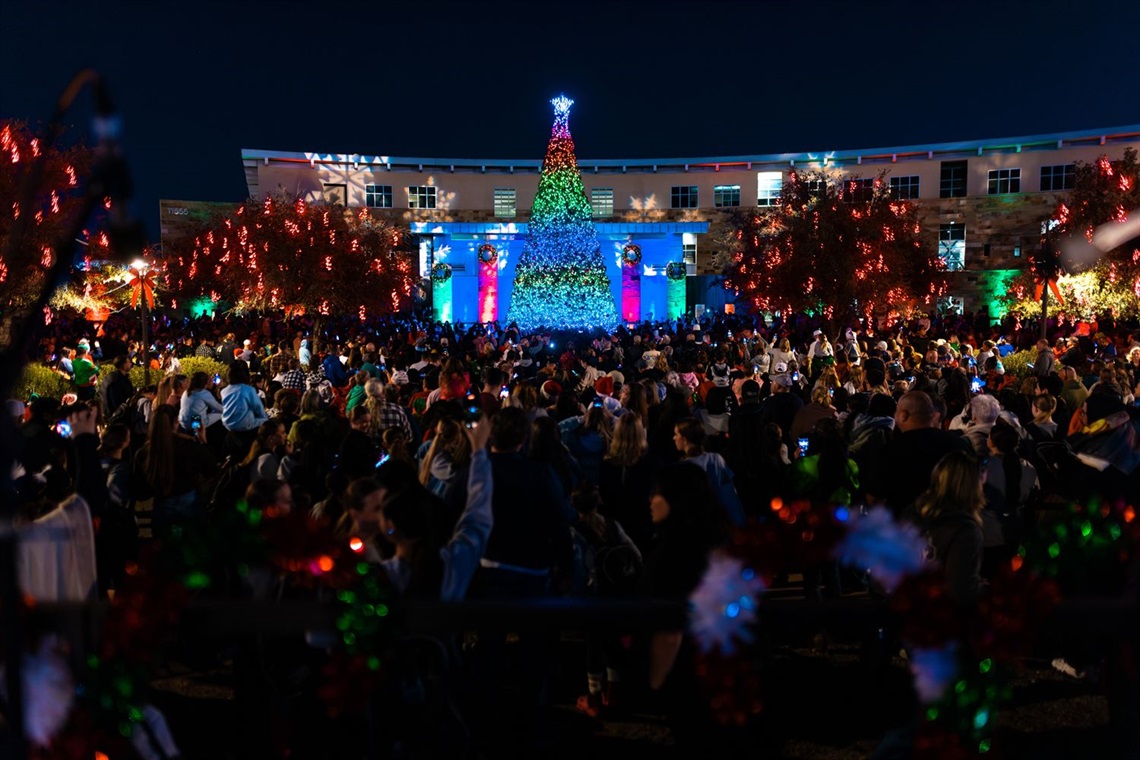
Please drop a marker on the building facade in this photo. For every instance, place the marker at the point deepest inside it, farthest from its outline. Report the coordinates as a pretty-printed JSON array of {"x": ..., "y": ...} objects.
[{"x": 983, "y": 202}]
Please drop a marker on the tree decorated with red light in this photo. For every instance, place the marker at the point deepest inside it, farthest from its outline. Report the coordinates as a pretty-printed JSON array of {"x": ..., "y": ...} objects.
[
  {"x": 840, "y": 250},
  {"x": 58, "y": 198},
  {"x": 292, "y": 255},
  {"x": 1095, "y": 229}
]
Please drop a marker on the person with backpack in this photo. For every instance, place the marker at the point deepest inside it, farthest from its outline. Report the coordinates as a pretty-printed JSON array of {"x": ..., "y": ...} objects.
[{"x": 608, "y": 564}]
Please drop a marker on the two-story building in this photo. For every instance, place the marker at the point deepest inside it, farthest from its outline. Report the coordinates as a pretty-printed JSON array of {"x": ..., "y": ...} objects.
[{"x": 983, "y": 201}]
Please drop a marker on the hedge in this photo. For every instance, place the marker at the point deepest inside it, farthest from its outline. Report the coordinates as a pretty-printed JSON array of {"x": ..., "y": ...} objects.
[
  {"x": 1017, "y": 364},
  {"x": 41, "y": 380}
]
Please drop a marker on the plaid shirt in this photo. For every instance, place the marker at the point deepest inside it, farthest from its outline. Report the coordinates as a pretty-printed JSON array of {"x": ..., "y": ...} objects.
[
  {"x": 386, "y": 415},
  {"x": 294, "y": 380}
]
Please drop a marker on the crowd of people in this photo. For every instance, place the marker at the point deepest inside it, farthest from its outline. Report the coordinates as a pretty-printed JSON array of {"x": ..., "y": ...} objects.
[{"x": 484, "y": 461}]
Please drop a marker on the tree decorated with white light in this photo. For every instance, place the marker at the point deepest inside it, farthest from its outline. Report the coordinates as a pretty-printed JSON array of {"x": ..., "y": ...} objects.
[{"x": 560, "y": 279}]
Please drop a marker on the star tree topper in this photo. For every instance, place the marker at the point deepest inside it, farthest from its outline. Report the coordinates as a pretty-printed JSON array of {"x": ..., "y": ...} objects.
[{"x": 562, "y": 115}]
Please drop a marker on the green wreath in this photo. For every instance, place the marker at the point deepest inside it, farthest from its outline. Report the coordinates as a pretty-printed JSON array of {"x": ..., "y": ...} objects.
[
  {"x": 487, "y": 253},
  {"x": 631, "y": 255},
  {"x": 675, "y": 270},
  {"x": 441, "y": 272}
]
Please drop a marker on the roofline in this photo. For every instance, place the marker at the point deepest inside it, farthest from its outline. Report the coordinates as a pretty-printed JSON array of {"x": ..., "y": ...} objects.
[{"x": 1055, "y": 140}]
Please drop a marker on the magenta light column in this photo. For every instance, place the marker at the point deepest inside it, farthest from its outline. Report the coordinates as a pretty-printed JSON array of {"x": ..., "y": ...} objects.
[
  {"x": 488, "y": 283},
  {"x": 631, "y": 283}
]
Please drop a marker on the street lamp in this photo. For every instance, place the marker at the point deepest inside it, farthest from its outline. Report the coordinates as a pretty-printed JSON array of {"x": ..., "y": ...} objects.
[{"x": 140, "y": 268}]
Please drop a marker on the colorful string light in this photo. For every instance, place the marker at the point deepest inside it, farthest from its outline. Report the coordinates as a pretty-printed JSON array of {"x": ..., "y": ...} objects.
[{"x": 560, "y": 279}]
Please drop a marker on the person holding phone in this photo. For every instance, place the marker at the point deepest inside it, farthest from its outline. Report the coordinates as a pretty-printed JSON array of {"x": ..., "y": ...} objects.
[
  {"x": 198, "y": 404},
  {"x": 811, "y": 414}
]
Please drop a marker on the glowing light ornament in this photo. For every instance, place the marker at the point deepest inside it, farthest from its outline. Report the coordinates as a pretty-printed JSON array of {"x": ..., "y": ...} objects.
[
  {"x": 675, "y": 300},
  {"x": 723, "y": 605},
  {"x": 889, "y": 550},
  {"x": 441, "y": 292},
  {"x": 488, "y": 283},
  {"x": 631, "y": 283},
  {"x": 560, "y": 279}
]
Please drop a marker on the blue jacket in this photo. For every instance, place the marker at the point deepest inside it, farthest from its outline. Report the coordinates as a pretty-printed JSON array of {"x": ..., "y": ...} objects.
[
  {"x": 242, "y": 408},
  {"x": 335, "y": 371}
]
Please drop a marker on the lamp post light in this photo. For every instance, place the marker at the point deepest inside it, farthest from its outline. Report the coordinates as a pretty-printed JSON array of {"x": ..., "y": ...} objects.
[{"x": 140, "y": 266}]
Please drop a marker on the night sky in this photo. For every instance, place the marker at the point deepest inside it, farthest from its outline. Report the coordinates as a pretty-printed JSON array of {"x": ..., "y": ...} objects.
[{"x": 197, "y": 82}]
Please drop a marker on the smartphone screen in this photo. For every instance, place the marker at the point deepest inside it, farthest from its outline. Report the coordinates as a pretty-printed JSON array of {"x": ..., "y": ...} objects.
[
  {"x": 803, "y": 444},
  {"x": 63, "y": 427},
  {"x": 504, "y": 393},
  {"x": 217, "y": 379}
]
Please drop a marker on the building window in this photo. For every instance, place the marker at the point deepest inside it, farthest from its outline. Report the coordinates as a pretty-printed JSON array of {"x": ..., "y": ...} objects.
[
  {"x": 1059, "y": 177},
  {"x": 336, "y": 193},
  {"x": 689, "y": 248},
  {"x": 602, "y": 201},
  {"x": 684, "y": 196},
  {"x": 859, "y": 190},
  {"x": 378, "y": 196},
  {"x": 1004, "y": 181},
  {"x": 953, "y": 184},
  {"x": 768, "y": 187},
  {"x": 952, "y": 245},
  {"x": 817, "y": 188},
  {"x": 421, "y": 196},
  {"x": 904, "y": 188},
  {"x": 505, "y": 202},
  {"x": 726, "y": 195}
]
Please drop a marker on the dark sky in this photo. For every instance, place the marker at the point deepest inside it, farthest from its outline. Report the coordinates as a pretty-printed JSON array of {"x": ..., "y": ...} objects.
[{"x": 197, "y": 82}]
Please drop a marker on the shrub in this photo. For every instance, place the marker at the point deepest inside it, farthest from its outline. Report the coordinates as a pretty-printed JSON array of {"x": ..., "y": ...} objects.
[
  {"x": 41, "y": 380},
  {"x": 1017, "y": 363},
  {"x": 192, "y": 364}
]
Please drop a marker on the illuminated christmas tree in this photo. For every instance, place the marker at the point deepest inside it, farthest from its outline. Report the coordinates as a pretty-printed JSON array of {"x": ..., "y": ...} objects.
[{"x": 560, "y": 279}]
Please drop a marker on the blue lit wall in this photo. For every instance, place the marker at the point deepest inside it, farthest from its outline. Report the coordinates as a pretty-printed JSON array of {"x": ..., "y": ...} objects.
[{"x": 656, "y": 250}]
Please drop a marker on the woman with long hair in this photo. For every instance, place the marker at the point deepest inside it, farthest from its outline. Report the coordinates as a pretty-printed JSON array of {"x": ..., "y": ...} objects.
[
  {"x": 782, "y": 352},
  {"x": 546, "y": 446},
  {"x": 396, "y": 446},
  {"x": 689, "y": 438},
  {"x": 950, "y": 513},
  {"x": 588, "y": 438},
  {"x": 635, "y": 400},
  {"x": 444, "y": 467},
  {"x": 197, "y": 402},
  {"x": 167, "y": 469},
  {"x": 263, "y": 452},
  {"x": 626, "y": 479}
]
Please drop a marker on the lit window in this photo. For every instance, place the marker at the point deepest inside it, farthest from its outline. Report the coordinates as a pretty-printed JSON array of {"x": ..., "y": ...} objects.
[
  {"x": 602, "y": 201},
  {"x": 421, "y": 196},
  {"x": 768, "y": 187},
  {"x": 689, "y": 248},
  {"x": 505, "y": 202},
  {"x": 1004, "y": 181},
  {"x": 378, "y": 196},
  {"x": 953, "y": 181},
  {"x": 1059, "y": 177},
  {"x": 726, "y": 195},
  {"x": 952, "y": 245},
  {"x": 684, "y": 196},
  {"x": 904, "y": 188}
]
